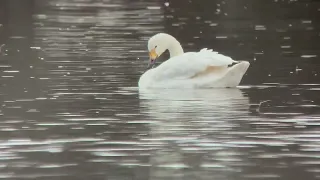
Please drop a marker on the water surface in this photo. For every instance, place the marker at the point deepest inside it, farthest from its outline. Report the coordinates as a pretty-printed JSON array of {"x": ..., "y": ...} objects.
[{"x": 71, "y": 108}]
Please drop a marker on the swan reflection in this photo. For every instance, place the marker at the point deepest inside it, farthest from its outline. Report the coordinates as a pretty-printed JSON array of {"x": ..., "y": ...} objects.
[
  {"x": 191, "y": 129},
  {"x": 200, "y": 103}
]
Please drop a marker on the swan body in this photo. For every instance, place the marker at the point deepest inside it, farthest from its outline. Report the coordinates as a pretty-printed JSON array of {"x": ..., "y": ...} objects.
[{"x": 203, "y": 69}]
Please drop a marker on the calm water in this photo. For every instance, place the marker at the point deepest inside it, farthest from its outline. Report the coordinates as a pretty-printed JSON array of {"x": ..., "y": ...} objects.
[{"x": 71, "y": 108}]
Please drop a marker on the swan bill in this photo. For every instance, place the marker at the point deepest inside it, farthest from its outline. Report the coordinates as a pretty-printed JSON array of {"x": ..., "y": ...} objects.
[{"x": 153, "y": 54}]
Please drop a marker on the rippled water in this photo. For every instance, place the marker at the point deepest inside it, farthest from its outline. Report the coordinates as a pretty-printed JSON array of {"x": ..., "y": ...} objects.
[{"x": 71, "y": 108}]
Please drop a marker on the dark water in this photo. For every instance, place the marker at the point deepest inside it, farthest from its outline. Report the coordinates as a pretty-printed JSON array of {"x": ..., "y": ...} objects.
[{"x": 71, "y": 108}]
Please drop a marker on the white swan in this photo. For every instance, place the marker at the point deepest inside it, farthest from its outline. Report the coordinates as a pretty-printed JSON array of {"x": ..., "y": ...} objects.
[{"x": 204, "y": 69}]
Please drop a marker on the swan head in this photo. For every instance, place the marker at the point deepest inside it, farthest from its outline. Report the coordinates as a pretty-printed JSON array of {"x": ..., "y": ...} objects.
[{"x": 157, "y": 45}]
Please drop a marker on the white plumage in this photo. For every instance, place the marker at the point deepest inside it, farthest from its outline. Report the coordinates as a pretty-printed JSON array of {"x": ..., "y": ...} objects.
[{"x": 203, "y": 69}]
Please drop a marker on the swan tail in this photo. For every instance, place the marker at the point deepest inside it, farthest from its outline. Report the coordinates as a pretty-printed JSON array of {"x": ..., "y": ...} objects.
[
  {"x": 235, "y": 74},
  {"x": 231, "y": 78}
]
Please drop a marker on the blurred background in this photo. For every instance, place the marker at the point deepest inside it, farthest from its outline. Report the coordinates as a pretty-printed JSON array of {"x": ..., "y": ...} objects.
[{"x": 70, "y": 107}]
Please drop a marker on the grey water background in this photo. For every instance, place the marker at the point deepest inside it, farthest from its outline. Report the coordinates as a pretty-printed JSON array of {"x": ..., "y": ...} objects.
[{"x": 71, "y": 109}]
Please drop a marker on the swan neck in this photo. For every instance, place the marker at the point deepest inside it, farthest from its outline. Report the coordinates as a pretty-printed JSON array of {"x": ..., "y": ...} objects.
[{"x": 175, "y": 48}]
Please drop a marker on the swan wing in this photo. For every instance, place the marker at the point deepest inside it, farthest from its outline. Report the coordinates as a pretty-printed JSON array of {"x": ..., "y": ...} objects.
[
  {"x": 192, "y": 64},
  {"x": 213, "y": 58}
]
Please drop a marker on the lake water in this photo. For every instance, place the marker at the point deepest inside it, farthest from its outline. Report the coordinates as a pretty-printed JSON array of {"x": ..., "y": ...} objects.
[{"x": 71, "y": 109}]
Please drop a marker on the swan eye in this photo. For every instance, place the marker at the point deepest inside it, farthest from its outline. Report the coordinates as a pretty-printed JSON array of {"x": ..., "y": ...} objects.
[{"x": 155, "y": 46}]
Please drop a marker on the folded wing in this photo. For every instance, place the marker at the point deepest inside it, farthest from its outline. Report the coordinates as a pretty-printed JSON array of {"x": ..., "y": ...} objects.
[{"x": 193, "y": 64}]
